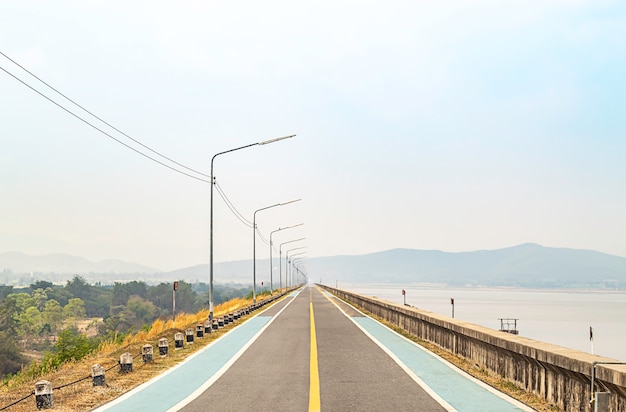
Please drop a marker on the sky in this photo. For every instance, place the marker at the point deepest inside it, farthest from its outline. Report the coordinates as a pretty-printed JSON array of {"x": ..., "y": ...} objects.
[{"x": 448, "y": 125}]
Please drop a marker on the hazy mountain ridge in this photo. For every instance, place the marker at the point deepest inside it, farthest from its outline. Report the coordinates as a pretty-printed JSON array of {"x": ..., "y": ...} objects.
[
  {"x": 60, "y": 263},
  {"x": 523, "y": 265},
  {"x": 526, "y": 265}
]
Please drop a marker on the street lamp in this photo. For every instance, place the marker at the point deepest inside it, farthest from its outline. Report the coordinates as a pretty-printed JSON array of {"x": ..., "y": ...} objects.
[
  {"x": 280, "y": 258},
  {"x": 254, "y": 244},
  {"x": 280, "y": 279},
  {"x": 298, "y": 265},
  {"x": 287, "y": 262},
  {"x": 211, "y": 218},
  {"x": 293, "y": 261}
]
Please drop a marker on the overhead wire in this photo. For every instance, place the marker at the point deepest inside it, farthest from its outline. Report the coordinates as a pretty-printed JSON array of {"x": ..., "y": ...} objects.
[
  {"x": 232, "y": 207},
  {"x": 263, "y": 238},
  {"x": 220, "y": 191},
  {"x": 101, "y": 120}
]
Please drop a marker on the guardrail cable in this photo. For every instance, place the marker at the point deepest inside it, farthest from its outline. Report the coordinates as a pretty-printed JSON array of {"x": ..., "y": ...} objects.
[{"x": 18, "y": 401}]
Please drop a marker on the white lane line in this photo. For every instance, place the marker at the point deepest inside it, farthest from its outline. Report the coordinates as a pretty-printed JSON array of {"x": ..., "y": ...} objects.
[
  {"x": 406, "y": 369},
  {"x": 466, "y": 375},
  {"x": 228, "y": 364}
]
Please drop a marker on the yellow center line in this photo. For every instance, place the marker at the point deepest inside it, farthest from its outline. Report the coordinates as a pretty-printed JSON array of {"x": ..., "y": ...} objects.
[{"x": 314, "y": 379}]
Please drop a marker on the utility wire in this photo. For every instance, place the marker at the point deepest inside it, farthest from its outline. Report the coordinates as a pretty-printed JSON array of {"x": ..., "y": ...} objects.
[
  {"x": 232, "y": 207},
  {"x": 101, "y": 120},
  {"x": 98, "y": 129},
  {"x": 267, "y": 242}
]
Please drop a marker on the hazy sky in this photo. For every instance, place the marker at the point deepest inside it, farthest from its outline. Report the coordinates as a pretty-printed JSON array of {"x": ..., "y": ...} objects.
[{"x": 451, "y": 125}]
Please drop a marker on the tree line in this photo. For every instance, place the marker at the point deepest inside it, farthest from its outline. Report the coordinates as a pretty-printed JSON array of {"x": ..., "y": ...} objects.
[{"x": 44, "y": 317}]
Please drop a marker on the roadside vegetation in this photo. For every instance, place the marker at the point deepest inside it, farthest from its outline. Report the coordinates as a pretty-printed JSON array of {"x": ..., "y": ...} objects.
[
  {"x": 46, "y": 325},
  {"x": 72, "y": 352}
]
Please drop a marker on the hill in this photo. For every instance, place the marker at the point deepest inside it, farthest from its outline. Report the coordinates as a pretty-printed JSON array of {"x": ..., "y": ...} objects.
[
  {"x": 526, "y": 265},
  {"x": 62, "y": 263}
]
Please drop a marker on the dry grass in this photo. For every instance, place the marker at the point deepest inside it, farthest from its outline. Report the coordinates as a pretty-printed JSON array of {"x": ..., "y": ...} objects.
[{"x": 83, "y": 396}]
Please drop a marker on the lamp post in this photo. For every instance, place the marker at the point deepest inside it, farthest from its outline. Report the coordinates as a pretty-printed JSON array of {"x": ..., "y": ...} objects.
[
  {"x": 293, "y": 263},
  {"x": 211, "y": 218},
  {"x": 298, "y": 266},
  {"x": 254, "y": 243},
  {"x": 287, "y": 263},
  {"x": 280, "y": 279},
  {"x": 280, "y": 258}
]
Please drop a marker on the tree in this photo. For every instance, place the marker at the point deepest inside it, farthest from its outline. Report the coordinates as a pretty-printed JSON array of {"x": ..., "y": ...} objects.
[
  {"x": 5, "y": 291},
  {"x": 123, "y": 291},
  {"x": 144, "y": 310},
  {"x": 41, "y": 284},
  {"x": 40, "y": 297},
  {"x": 30, "y": 324},
  {"x": 24, "y": 301},
  {"x": 161, "y": 296},
  {"x": 75, "y": 308},
  {"x": 11, "y": 359},
  {"x": 78, "y": 287},
  {"x": 53, "y": 314},
  {"x": 72, "y": 346},
  {"x": 9, "y": 311},
  {"x": 186, "y": 298},
  {"x": 61, "y": 295}
]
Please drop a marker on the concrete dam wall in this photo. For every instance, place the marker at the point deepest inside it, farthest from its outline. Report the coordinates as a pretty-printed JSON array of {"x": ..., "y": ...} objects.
[{"x": 560, "y": 375}]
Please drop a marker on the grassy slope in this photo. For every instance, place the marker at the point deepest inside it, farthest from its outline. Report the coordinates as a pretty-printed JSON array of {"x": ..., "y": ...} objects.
[{"x": 83, "y": 396}]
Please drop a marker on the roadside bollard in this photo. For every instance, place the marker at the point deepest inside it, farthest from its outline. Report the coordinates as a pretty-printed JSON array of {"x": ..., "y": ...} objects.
[
  {"x": 97, "y": 375},
  {"x": 199, "y": 331},
  {"x": 163, "y": 347},
  {"x": 189, "y": 334},
  {"x": 231, "y": 318},
  {"x": 226, "y": 321},
  {"x": 43, "y": 395},
  {"x": 178, "y": 340},
  {"x": 220, "y": 322},
  {"x": 207, "y": 327},
  {"x": 147, "y": 353},
  {"x": 126, "y": 363},
  {"x": 215, "y": 324}
]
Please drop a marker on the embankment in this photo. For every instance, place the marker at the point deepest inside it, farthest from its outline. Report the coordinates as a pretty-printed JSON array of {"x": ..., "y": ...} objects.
[{"x": 560, "y": 375}]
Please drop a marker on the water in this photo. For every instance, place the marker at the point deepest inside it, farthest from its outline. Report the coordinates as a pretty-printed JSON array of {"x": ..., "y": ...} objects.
[{"x": 559, "y": 317}]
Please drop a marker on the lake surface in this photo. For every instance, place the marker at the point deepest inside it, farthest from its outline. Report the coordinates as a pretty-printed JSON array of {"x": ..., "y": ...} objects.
[{"x": 554, "y": 316}]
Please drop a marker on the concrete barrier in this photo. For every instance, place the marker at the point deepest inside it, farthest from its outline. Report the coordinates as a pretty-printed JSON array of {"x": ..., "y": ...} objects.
[
  {"x": 179, "y": 340},
  {"x": 126, "y": 362},
  {"x": 98, "y": 377},
  {"x": 44, "y": 398},
  {"x": 560, "y": 375},
  {"x": 147, "y": 353},
  {"x": 163, "y": 347},
  {"x": 189, "y": 335}
]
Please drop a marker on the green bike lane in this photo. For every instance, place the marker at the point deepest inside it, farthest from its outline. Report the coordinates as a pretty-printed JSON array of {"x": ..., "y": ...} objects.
[
  {"x": 179, "y": 385},
  {"x": 350, "y": 374},
  {"x": 453, "y": 388}
]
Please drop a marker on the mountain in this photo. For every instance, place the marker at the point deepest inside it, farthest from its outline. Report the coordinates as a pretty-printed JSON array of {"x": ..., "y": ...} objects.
[
  {"x": 20, "y": 263},
  {"x": 526, "y": 265}
]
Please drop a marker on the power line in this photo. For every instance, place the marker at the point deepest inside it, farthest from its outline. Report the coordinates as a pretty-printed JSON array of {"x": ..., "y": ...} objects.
[
  {"x": 267, "y": 242},
  {"x": 232, "y": 207},
  {"x": 103, "y": 121}
]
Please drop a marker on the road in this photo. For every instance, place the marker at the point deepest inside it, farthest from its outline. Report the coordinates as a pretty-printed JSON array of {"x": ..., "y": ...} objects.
[{"x": 311, "y": 352}]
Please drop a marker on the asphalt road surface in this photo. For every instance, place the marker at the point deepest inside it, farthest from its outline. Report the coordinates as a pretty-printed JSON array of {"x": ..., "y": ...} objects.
[
  {"x": 274, "y": 373},
  {"x": 311, "y": 352}
]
